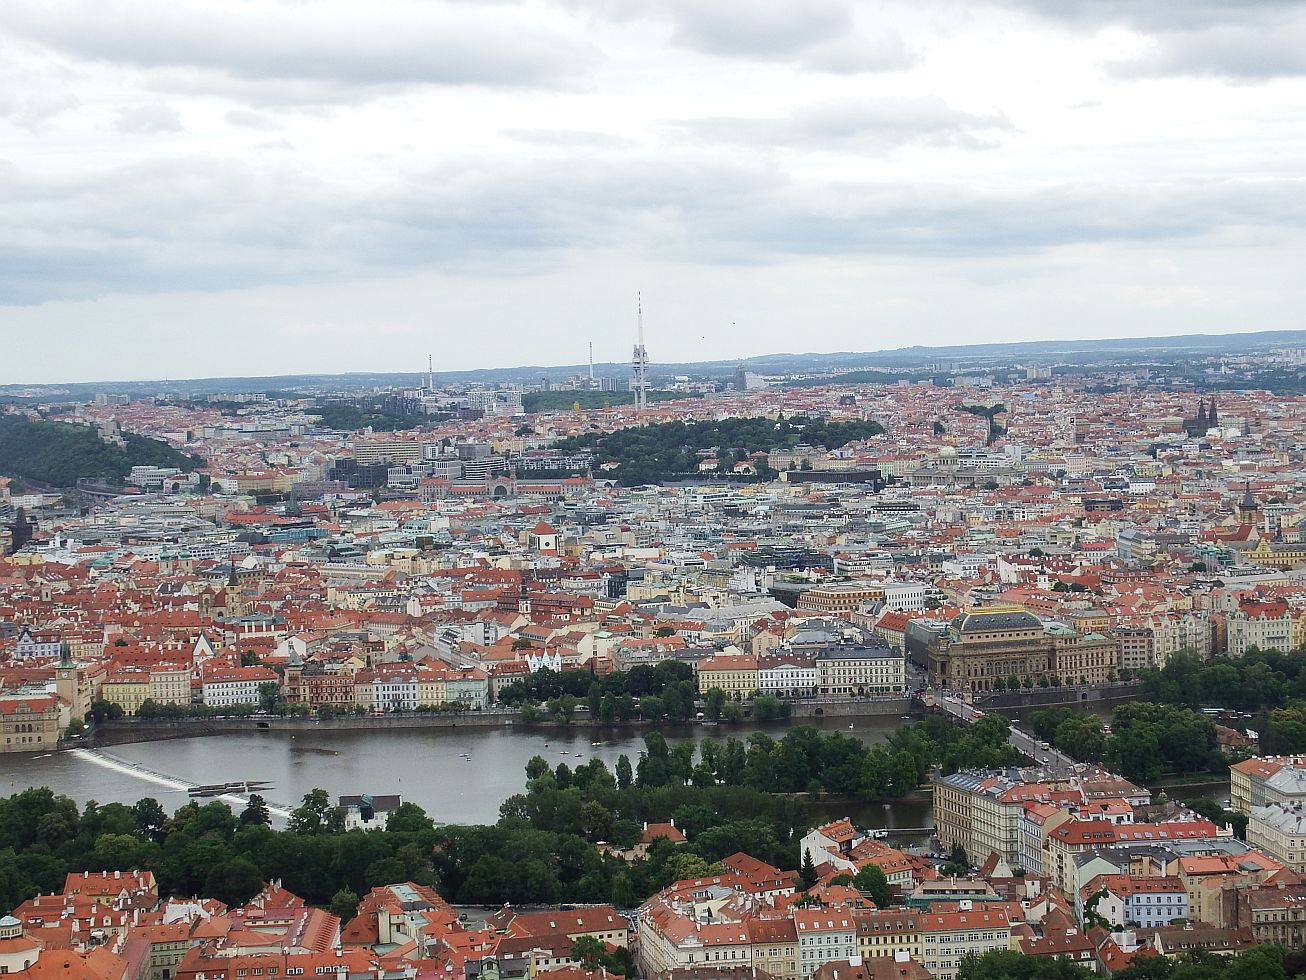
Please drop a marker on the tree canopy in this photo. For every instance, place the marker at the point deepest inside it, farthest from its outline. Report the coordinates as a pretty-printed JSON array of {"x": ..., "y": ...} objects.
[
  {"x": 671, "y": 450},
  {"x": 61, "y": 453}
]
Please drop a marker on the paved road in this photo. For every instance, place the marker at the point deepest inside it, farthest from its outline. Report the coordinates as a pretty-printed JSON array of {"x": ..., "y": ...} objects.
[{"x": 1021, "y": 741}]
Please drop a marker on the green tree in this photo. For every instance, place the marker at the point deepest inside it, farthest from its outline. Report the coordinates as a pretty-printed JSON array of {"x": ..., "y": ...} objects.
[
  {"x": 256, "y": 812},
  {"x": 807, "y": 873},
  {"x": 315, "y": 815},
  {"x": 408, "y": 818},
  {"x": 234, "y": 881},
  {"x": 150, "y": 818},
  {"x": 713, "y": 700},
  {"x": 957, "y": 865},
  {"x": 269, "y": 696},
  {"x": 625, "y": 775},
  {"x": 344, "y": 904},
  {"x": 874, "y": 883},
  {"x": 1012, "y": 965}
]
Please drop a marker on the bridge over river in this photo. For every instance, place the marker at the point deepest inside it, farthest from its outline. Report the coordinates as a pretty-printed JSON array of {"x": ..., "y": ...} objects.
[{"x": 1023, "y": 742}]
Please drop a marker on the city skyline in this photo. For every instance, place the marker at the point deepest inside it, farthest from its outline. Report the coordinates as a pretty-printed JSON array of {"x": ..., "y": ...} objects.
[{"x": 478, "y": 178}]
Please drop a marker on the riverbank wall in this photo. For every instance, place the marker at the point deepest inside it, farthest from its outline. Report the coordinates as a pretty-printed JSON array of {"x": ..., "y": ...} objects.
[
  {"x": 889, "y": 707},
  {"x": 1051, "y": 697},
  {"x": 125, "y": 731}
]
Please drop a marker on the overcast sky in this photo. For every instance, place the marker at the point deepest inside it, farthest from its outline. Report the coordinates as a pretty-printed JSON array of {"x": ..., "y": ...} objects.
[{"x": 194, "y": 188}]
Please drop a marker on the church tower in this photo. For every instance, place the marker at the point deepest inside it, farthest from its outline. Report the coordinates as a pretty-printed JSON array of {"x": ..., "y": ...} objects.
[{"x": 65, "y": 682}]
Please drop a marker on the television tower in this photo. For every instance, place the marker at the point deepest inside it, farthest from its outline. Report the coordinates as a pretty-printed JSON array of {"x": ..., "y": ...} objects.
[
  {"x": 639, "y": 362},
  {"x": 591, "y": 364},
  {"x": 430, "y": 373}
]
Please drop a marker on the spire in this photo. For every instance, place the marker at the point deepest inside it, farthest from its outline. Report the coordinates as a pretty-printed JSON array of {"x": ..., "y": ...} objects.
[
  {"x": 232, "y": 581},
  {"x": 1201, "y": 410},
  {"x": 1212, "y": 420}
]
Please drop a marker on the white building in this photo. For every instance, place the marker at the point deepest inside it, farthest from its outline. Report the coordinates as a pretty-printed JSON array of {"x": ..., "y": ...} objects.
[
  {"x": 787, "y": 675},
  {"x": 226, "y": 686},
  {"x": 906, "y": 596},
  {"x": 1280, "y": 831},
  {"x": 367, "y": 812},
  {"x": 860, "y": 671}
]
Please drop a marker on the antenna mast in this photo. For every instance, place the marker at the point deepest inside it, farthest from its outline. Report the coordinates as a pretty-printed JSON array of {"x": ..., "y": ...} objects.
[
  {"x": 591, "y": 364},
  {"x": 639, "y": 361}
]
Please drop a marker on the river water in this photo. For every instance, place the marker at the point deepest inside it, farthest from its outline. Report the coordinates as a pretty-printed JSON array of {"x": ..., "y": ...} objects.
[{"x": 457, "y": 775}]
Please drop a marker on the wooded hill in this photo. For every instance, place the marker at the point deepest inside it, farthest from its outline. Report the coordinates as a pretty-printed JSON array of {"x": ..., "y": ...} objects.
[{"x": 58, "y": 454}]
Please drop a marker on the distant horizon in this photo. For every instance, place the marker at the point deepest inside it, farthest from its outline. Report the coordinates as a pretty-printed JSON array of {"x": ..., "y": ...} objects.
[{"x": 608, "y": 365}]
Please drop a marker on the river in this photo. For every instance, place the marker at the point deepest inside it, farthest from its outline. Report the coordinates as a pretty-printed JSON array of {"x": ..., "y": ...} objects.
[{"x": 424, "y": 766}]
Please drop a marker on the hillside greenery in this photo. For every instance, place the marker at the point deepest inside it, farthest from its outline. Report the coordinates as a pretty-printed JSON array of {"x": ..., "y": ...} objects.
[
  {"x": 350, "y": 418},
  {"x": 562, "y": 401},
  {"x": 671, "y": 450},
  {"x": 58, "y": 454},
  {"x": 1266, "y": 962}
]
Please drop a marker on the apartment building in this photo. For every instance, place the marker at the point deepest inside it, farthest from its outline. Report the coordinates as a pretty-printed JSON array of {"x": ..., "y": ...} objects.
[
  {"x": 1075, "y": 837},
  {"x": 1264, "y": 625},
  {"x": 223, "y": 686},
  {"x": 1279, "y": 830},
  {"x": 1274, "y": 913},
  {"x": 860, "y": 671},
  {"x": 1124, "y": 900},
  {"x": 948, "y": 937},
  {"x": 840, "y": 599},
  {"x": 824, "y": 934},
  {"x": 787, "y": 674},
  {"x": 735, "y": 675},
  {"x": 1267, "y": 780},
  {"x": 888, "y": 932}
]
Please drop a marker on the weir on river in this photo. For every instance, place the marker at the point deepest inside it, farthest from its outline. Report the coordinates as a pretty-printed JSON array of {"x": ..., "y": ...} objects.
[{"x": 100, "y": 758}]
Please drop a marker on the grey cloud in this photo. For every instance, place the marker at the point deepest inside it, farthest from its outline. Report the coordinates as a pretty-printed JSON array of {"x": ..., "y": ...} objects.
[
  {"x": 759, "y": 27},
  {"x": 147, "y": 119},
  {"x": 324, "y": 43},
  {"x": 859, "y": 124},
  {"x": 851, "y": 55},
  {"x": 248, "y": 119},
  {"x": 822, "y": 35},
  {"x": 1241, "y": 40},
  {"x": 1232, "y": 52},
  {"x": 155, "y": 227},
  {"x": 1159, "y": 15}
]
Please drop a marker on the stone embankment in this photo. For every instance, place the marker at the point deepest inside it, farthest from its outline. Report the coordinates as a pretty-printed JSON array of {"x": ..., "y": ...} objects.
[{"x": 127, "y": 730}]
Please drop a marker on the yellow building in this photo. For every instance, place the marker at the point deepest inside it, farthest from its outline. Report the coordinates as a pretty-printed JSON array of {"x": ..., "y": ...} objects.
[
  {"x": 734, "y": 675},
  {"x": 431, "y": 687},
  {"x": 775, "y": 946},
  {"x": 126, "y": 688},
  {"x": 885, "y": 932},
  {"x": 170, "y": 685},
  {"x": 1277, "y": 554}
]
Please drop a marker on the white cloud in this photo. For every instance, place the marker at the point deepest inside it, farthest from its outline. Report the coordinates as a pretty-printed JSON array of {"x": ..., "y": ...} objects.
[{"x": 149, "y": 118}]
